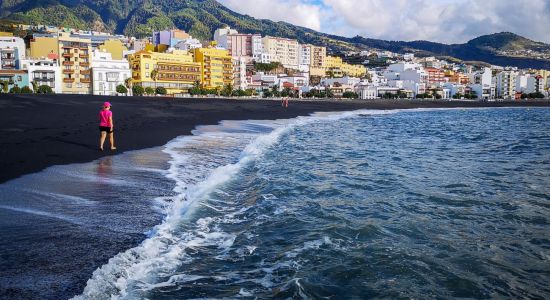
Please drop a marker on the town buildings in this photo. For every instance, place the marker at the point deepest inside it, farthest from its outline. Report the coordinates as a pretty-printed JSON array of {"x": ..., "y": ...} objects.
[
  {"x": 169, "y": 37},
  {"x": 12, "y": 51},
  {"x": 285, "y": 51},
  {"x": 506, "y": 85},
  {"x": 43, "y": 72},
  {"x": 108, "y": 73},
  {"x": 216, "y": 66},
  {"x": 176, "y": 71}
]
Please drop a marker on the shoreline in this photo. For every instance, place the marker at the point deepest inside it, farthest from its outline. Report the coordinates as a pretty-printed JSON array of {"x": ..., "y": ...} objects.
[{"x": 39, "y": 131}]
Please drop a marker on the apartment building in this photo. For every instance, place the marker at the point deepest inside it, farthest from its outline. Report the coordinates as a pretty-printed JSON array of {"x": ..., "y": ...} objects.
[
  {"x": 108, "y": 73},
  {"x": 12, "y": 51},
  {"x": 335, "y": 67},
  {"x": 435, "y": 76},
  {"x": 176, "y": 71},
  {"x": 216, "y": 66},
  {"x": 75, "y": 59},
  {"x": 248, "y": 46},
  {"x": 43, "y": 72},
  {"x": 285, "y": 51},
  {"x": 169, "y": 37},
  {"x": 505, "y": 83}
]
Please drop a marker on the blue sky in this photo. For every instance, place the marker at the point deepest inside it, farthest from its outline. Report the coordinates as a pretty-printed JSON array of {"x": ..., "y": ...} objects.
[{"x": 446, "y": 21}]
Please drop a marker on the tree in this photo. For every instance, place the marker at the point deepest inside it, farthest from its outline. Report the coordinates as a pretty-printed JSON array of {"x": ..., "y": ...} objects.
[
  {"x": 138, "y": 90},
  {"x": 121, "y": 89},
  {"x": 44, "y": 89},
  {"x": 161, "y": 90},
  {"x": 26, "y": 90},
  {"x": 34, "y": 86},
  {"x": 227, "y": 90},
  {"x": 15, "y": 90},
  {"x": 154, "y": 75},
  {"x": 5, "y": 86},
  {"x": 350, "y": 95},
  {"x": 149, "y": 91},
  {"x": 128, "y": 83}
]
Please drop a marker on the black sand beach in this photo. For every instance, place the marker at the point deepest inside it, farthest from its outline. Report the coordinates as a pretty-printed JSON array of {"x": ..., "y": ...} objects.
[{"x": 41, "y": 131}]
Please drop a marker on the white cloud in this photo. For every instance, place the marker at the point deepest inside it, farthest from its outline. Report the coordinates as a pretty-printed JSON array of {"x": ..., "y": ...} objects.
[
  {"x": 447, "y": 21},
  {"x": 297, "y": 12}
]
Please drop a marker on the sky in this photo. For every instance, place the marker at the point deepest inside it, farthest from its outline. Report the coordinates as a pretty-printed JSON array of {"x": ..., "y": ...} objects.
[{"x": 444, "y": 21}]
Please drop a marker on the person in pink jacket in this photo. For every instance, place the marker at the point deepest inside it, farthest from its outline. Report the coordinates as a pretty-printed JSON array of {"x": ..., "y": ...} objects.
[{"x": 106, "y": 126}]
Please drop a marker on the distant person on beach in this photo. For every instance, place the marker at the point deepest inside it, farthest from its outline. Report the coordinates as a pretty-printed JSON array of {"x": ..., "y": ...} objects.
[
  {"x": 106, "y": 126},
  {"x": 284, "y": 102}
]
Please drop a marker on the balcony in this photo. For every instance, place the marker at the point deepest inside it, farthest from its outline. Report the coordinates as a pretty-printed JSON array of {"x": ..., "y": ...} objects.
[
  {"x": 83, "y": 55},
  {"x": 65, "y": 54},
  {"x": 68, "y": 63},
  {"x": 85, "y": 80},
  {"x": 68, "y": 71},
  {"x": 84, "y": 64},
  {"x": 85, "y": 72},
  {"x": 68, "y": 80}
]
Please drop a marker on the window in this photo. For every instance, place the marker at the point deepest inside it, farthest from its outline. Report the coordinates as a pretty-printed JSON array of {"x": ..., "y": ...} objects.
[
  {"x": 19, "y": 78},
  {"x": 146, "y": 66},
  {"x": 99, "y": 76}
]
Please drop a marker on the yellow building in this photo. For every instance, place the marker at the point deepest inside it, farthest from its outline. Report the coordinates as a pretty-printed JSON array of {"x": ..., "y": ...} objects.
[
  {"x": 75, "y": 55},
  {"x": 2, "y": 33},
  {"x": 44, "y": 46},
  {"x": 175, "y": 71},
  {"x": 115, "y": 47},
  {"x": 335, "y": 66},
  {"x": 216, "y": 66}
]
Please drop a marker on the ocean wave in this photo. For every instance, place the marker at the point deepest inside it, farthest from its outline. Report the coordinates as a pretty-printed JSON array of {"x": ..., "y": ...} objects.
[{"x": 133, "y": 272}]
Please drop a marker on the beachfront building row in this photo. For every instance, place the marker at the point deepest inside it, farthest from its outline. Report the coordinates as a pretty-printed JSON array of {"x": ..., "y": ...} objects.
[
  {"x": 291, "y": 54},
  {"x": 178, "y": 71}
]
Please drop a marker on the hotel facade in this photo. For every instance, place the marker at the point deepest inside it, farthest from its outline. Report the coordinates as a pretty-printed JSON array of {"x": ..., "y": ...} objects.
[{"x": 176, "y": 71}]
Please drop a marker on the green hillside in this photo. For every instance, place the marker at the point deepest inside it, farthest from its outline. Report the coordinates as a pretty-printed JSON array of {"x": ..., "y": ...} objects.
[{"x": 201, "y": 17}]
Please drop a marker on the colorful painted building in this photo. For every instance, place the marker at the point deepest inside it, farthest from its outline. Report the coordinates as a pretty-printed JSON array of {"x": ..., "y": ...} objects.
[
  {"x": 216, "y": 66},
  {"x": 13, "y": 78},
  {"x": 337, "y": 68},
  {"x": 115, "y": 47},
  {"x": 75, "y": 60},
  {"x": 176, "y": 71}
]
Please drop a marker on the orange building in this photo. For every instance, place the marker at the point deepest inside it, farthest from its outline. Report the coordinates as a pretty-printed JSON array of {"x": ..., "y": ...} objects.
[{"x": 435, "y": 75}]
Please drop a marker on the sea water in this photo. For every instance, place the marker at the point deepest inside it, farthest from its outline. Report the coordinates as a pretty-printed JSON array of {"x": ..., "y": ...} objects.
[{"x": 365, "y": 204}]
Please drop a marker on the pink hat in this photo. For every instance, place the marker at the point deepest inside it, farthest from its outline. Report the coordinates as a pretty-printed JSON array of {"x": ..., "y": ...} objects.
[{"x": 106, "y": 104}]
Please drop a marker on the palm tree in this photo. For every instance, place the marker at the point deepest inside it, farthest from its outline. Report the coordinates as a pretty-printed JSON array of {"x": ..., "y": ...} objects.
[
  {"x": 154, "y": 75},
  {"x": 128, "y": 83}
]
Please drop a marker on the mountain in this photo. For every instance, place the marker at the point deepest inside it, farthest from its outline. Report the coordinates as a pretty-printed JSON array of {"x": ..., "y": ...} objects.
[{"x": 201, "y": 17}]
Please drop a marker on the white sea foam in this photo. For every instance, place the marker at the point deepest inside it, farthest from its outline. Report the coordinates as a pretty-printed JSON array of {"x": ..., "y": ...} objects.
[{"x": 131, "y": 273}]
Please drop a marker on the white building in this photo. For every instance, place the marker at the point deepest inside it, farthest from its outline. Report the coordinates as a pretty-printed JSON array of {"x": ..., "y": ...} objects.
[
  {"x": 505, "y": 83},
  {"x": 299, "y": 81},
  {"x": 12, "y": 51},
  {"x": 482, "y": 83},
  {"x": 43, "y": 72},
  {"x": 304, "y": 58},
  {"x": 535, "y": 84},
  {"x": 108, "y": 73},
  {"x": 346, "y": 80},
  {"x": 366, "y": 91},
  {"x": 521, "y": 82},
  {"x": 188, "y": 44},
  {"x": 239, "y": 73},
  {"x": 222, "y": 32}
]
